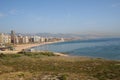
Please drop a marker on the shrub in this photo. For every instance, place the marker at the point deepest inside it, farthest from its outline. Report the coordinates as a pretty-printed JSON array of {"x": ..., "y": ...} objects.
[
  {"x": 63, "y": 77},
  {"x": 2, "y": 55},
  {"x": 37, "y": 54}
]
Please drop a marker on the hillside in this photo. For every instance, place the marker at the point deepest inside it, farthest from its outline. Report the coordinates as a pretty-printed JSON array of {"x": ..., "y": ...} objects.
[{"x": 47, "y": 66}]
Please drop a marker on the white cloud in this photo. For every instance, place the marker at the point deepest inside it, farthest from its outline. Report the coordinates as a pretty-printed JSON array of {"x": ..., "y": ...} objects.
[{"x": 116, "y": 5}]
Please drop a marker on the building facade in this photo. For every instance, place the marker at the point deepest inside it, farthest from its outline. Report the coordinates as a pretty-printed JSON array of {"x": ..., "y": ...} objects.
[{"x": 12, "y": 37}]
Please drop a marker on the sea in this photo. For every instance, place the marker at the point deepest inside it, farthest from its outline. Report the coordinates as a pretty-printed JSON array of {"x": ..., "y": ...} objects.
[{"x": 107, "y": 48}]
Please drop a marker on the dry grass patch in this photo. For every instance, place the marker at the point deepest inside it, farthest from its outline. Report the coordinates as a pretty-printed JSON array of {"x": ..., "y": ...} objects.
[{"x": 37, "y": 66}]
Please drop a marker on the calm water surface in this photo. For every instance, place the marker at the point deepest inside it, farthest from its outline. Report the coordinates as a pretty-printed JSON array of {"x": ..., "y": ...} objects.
[{"x": 101, "y": 48}]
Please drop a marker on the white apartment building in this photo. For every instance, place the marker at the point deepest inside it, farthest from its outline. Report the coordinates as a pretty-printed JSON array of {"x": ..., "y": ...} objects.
[
  {"x": 42, "y": 39},
  {"x": 25, "y": 39},
  {"x": 4, "y": 38},
  {"x": 35, "y": 39}
]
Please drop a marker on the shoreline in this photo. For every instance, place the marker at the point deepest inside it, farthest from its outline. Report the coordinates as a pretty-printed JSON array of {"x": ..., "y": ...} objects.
[
  {"x": 20, "y": 47},
  {"x": 28, "y": 46}
]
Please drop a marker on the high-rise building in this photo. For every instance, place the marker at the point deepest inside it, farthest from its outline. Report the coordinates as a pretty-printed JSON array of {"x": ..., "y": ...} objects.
[{"x": 12, "y": 37}]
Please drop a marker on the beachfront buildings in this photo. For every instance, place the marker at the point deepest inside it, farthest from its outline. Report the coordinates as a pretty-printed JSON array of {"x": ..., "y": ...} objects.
[
  {"x": 23, "y": 39},
  {"x": 35, "y": 39},
  {"x": 42, "y": 39},
  {"x": 12, "y": 38},
  {"x": 8, "y": 41},
  {"x": 1, "y": 37},
  {"x": 5, "y": 38}
]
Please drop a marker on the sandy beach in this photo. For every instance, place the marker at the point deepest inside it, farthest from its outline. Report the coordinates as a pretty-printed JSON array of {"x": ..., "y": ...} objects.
[
  {"x": 27, "y": 46},
  {"x": 20, "y": 47}
]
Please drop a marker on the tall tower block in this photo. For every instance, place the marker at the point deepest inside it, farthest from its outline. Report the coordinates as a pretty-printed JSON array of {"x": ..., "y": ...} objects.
[{"x": 12, "y": 37}]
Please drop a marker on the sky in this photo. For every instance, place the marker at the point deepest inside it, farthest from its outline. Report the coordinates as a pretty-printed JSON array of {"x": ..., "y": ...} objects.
[{"x": 60, "y": 16}]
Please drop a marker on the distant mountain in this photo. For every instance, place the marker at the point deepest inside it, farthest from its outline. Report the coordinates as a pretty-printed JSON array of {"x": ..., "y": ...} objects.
[
  {"x": 73, "y": 36},
  {"x": 69, "y": 36}
]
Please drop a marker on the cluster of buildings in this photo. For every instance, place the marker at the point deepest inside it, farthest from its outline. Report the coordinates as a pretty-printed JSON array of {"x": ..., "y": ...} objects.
[{"x": 12, "y": 38}]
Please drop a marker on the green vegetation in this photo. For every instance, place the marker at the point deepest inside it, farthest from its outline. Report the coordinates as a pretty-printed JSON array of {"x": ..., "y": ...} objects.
[
  {"x": 47, "y": 66},
  {"x": 27, "y": 54},
  {"x": 37, "y": 54},
  {"x": 63, "y": 77}
]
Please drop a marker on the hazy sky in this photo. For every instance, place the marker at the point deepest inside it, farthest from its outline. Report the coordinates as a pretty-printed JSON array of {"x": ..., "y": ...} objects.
[{"x": 60, "y": 16}]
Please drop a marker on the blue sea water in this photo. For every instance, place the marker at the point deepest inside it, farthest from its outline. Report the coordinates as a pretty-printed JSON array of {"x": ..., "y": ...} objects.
[{"x": 108, "y": 48}]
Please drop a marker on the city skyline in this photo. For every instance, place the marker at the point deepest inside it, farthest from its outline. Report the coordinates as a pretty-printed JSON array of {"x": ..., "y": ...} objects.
[{"x": 60, "y": 16}]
